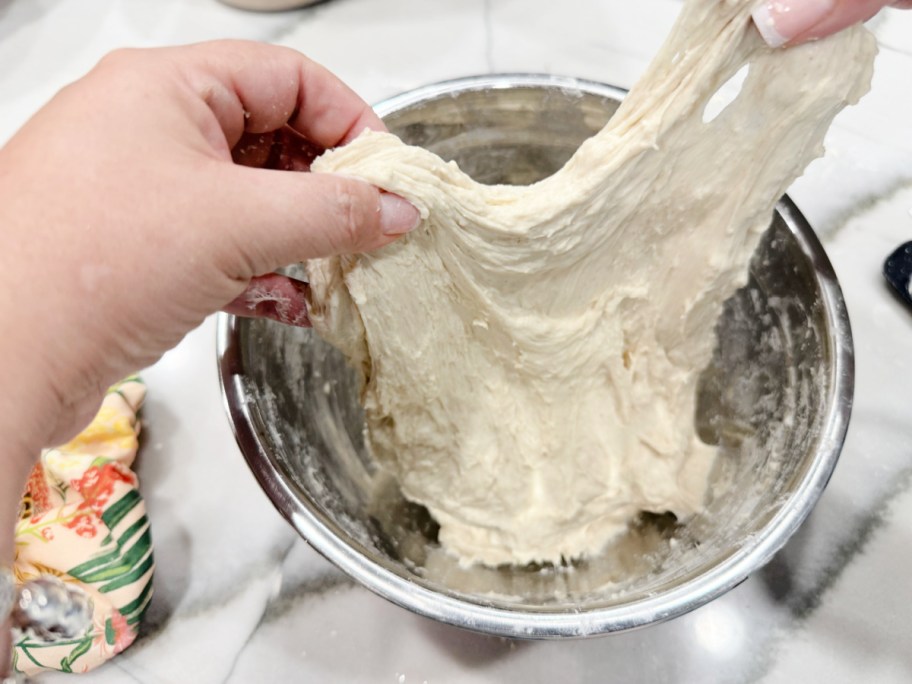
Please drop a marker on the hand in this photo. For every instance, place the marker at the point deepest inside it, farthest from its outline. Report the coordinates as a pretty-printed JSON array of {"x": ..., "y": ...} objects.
[
  {"x": 126, "y": 222},
  {"x": 789, "y": 22}
]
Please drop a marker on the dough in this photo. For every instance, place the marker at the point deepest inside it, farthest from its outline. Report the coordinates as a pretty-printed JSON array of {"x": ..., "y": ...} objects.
[{"x": 530, "y": 354}]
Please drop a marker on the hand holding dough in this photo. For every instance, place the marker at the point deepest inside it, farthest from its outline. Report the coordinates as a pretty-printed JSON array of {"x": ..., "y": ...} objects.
[{"x": 530, "y": 354}]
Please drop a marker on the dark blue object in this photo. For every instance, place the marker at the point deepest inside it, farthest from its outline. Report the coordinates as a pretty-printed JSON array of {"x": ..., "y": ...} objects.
[{"x": 898, "y": 272}]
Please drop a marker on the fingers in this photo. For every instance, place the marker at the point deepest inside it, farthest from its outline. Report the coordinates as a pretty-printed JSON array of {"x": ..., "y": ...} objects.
[
  {"x": 270, "y": 110},
  {"x": 256, "y": 88},
  {"x": 284, "y": 149},
  {"x": 270, "y": 218},
  {"x": 278, "y": 110},
  {"x": 276, "y": 297},
  {"x": 789, "y": 22}
]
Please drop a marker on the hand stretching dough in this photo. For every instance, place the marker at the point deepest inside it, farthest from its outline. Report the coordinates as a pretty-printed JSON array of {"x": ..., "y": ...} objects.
[{"x": 530, "y": 354}]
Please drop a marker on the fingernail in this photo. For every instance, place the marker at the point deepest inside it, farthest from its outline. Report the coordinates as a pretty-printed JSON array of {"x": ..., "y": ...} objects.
[
  {"x": 397, "y": 216},
  {"x": 780, "y": 21}
]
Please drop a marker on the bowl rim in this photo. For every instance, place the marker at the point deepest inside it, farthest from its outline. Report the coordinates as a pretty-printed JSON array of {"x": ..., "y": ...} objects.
[{"x": 518, "y": 623}]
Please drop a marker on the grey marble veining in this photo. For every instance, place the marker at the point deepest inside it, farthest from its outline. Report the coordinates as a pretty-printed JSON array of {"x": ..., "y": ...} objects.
[{"x": 240, "y": 598}]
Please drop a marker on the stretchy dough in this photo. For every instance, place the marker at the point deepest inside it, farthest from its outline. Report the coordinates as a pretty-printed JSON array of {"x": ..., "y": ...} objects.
[{"x": 530, "y": 354}]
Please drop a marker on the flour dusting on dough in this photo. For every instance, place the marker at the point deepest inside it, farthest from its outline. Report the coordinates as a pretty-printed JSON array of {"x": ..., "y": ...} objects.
[{"x": 530, "y": 354}]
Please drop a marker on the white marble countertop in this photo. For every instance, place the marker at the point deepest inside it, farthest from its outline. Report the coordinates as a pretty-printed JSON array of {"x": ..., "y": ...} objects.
[{"x": 239, "y": 597}]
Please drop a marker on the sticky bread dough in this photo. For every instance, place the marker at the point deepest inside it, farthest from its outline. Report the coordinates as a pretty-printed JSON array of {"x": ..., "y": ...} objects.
[{"x": 530, "y": 354}]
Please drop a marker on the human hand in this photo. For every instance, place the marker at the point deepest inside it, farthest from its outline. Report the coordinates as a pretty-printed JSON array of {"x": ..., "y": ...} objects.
[
  {"x": 125, "y": 221},
  {"x": 789, "y": 22}
]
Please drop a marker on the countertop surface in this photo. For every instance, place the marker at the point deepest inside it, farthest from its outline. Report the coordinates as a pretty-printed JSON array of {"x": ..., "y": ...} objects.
[{"x": 239, "y": 597}]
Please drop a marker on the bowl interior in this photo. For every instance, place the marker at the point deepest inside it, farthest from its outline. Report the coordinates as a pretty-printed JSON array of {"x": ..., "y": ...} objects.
[{"x": 763, "y": 400}]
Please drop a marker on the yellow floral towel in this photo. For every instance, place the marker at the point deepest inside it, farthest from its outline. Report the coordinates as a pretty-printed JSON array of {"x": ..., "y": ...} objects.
[{"x": 82, "y": 519}]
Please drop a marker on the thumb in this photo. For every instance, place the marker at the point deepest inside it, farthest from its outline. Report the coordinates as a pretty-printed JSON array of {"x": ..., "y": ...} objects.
[{"x": 274, "y": 218}]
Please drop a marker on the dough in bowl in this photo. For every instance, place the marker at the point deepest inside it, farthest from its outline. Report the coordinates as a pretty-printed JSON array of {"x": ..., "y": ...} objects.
[{"x": 530, "y": 354}]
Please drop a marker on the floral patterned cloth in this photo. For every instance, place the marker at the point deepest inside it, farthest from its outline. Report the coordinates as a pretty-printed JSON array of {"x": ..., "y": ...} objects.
[{"x": 82, "y": 520}]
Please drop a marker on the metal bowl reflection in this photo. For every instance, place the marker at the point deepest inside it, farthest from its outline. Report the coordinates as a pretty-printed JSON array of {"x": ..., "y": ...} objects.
[{"x": 775, "y": 399}]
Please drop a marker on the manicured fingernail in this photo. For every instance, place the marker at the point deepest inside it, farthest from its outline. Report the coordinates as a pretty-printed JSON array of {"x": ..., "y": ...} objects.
[
  {"x": 397, "y": 216},
  {"x": 779, "y": 21}
]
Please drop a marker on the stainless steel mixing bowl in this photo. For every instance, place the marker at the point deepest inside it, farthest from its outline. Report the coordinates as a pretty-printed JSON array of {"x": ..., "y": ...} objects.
[{"x": 775, "y": 399}]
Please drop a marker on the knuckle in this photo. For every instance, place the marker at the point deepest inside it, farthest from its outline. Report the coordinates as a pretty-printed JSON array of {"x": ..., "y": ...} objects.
[
  {"x": 118, "y": 58},
  {"x": 354, "y": 206}
]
